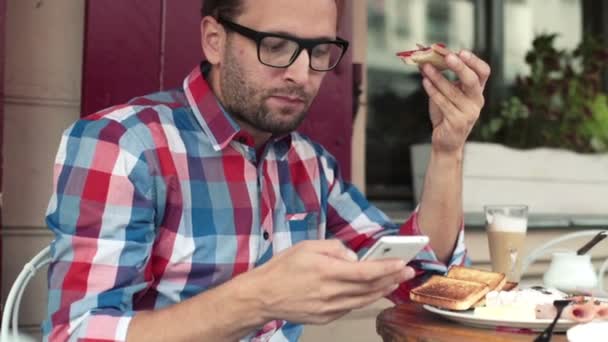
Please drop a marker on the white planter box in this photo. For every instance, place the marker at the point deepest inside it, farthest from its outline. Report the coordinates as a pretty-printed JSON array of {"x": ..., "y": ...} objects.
[{"x": 550, "y": 181}]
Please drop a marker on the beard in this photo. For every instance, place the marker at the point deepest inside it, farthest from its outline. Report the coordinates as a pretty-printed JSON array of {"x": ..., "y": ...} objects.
[{"x": 246, "y": 101}]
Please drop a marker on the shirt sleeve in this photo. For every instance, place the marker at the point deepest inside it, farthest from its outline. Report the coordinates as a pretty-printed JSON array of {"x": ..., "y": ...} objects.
[
  {"x": 426, "y": 263},
  {"x": 102, "y": 216},
  {"x": 359, "y": 224}
]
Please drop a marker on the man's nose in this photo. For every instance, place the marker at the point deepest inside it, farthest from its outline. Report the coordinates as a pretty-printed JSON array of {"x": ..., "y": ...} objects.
[{"x": 299, "y": 70}]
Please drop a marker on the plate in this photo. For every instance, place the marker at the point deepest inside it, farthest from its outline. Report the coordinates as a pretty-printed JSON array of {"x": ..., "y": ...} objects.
[{"x": 467, "y": 318}]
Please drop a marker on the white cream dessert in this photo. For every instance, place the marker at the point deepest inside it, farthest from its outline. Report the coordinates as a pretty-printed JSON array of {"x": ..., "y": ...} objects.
[{"x": 520, "y": 305}]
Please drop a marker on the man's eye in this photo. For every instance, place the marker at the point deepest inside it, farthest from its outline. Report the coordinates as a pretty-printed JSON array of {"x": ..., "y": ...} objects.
[
  {"x": 321, "y": 50},
  {"x": 278, "y": 47},
  {"x": 275, "y": 45}
]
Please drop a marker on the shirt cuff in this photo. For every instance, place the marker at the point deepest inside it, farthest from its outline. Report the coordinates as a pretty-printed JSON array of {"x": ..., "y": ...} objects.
[
  {"x": 99, "y": 326},
  {"x": 426, "y": 263}
]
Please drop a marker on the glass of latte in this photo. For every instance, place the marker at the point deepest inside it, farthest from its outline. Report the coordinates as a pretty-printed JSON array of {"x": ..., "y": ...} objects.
[{"x": 506, "y": 226}]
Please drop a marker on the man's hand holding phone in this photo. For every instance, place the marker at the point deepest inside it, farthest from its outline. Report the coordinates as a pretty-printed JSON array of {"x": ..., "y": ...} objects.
[{"x": 319, "y": 281}]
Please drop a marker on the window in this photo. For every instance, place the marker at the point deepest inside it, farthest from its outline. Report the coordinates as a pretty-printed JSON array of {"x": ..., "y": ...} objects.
[
  {"x": 397, "y": 104},
  {"x": 526, "y": 18}
]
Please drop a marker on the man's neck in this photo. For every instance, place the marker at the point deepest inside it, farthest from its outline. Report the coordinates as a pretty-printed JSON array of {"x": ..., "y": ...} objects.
[{"x": 259, "y": 137}]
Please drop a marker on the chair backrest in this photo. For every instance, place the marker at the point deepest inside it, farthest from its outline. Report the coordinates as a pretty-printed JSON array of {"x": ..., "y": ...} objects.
[
  {"x": 546, "y": 248},
  {"x": 9, "y": 330}
]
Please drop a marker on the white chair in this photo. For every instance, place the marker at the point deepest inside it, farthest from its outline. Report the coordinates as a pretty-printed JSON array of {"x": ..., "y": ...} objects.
[
  {"x": 10, "y": 315},
  {"x": 545, "y": 249}
]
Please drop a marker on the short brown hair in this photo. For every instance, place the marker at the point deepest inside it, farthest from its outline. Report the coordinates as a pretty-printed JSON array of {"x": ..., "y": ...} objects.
[{"x": 230, "y": 9}]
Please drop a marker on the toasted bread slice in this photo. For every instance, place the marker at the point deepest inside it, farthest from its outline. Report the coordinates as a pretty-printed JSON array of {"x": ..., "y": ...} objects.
[
  {"x": 495, "y": 281},
  {"x": 449, "y": 293},
  {"x": 481, "y": 302}
]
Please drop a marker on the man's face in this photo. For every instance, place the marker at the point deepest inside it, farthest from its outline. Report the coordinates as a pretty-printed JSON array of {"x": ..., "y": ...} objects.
[{"x": 274, "y": 100}]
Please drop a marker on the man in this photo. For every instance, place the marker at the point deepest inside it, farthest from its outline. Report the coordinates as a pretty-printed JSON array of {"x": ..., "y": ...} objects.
[{"x": 199, "y": 214}]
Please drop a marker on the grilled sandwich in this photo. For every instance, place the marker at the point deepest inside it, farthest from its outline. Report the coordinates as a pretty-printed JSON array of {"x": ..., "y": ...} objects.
[
  {"x": 461, "y": 289},
  {"x": 495, "y": 281},
  {"x": 449, "y": 293}
]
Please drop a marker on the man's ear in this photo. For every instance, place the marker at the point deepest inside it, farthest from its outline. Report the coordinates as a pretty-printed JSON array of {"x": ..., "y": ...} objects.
[{"x": 213, "y": 37}]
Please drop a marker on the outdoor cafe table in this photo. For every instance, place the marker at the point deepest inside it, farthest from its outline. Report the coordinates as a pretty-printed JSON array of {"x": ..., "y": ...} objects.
[{"x": 411, "y": 322}]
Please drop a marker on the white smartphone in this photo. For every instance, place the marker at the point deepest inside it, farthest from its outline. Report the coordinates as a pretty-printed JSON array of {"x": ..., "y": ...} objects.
[{"x": 398, "y": 247}]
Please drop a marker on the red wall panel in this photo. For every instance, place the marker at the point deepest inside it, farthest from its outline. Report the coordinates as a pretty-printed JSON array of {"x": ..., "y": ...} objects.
[
  {"x": 121, "y": 51},
  {"x": 182, "y": 48}
]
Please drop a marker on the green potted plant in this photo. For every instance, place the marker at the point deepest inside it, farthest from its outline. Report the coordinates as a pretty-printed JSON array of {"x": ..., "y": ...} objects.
[
  {"x": 560, "y": 104},
  {"x": 548, "y": 145}
]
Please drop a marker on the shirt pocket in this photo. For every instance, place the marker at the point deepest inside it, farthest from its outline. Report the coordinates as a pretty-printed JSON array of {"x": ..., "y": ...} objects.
[{"x": 303, "y": 226}]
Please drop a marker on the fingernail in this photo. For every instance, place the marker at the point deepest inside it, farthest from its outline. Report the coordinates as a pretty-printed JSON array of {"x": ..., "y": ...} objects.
[{"x": 465, "y": 54}]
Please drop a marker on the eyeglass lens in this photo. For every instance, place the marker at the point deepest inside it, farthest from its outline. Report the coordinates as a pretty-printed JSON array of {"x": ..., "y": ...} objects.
[{"x": 280, "y": 52}]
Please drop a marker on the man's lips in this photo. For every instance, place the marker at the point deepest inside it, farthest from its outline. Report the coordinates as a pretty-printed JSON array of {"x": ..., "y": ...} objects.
[{"x": 289, "y": 99}]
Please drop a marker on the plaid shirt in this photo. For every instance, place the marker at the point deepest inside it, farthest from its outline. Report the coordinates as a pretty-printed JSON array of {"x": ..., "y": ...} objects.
[{"x": 160, "y": 199}]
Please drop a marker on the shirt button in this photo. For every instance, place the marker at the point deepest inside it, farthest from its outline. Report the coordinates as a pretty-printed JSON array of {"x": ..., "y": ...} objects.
[{"x": 266, "y": 235}]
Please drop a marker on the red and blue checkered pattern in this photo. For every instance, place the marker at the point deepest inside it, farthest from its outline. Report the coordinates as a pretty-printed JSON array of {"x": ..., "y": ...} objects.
[{"x": 164, "y": 197}]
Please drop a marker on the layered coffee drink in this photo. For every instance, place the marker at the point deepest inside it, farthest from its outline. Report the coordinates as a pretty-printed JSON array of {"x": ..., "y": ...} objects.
[{"x": 506, "y": 227}]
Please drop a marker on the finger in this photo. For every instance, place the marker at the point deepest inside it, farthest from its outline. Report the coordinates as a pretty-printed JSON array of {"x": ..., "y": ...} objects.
[
  {"x": 361, "y": 288},
  {"x": 446, "y": 106},
  {"x": 356, "y": 302},
  {"x": 480, "y": 67},
  {"x": 471, "y": 84},
  {"x": 333, "y": 248},
  {"x": 458, "y": 120},
  {"x": 447, "y": 88},
  {"x": 364, "y": 271}
]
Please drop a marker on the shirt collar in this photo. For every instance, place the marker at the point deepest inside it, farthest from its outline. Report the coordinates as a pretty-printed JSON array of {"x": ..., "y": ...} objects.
[
  {"x": 219, "y": 126},
  {"x": 216, "y": 123}
]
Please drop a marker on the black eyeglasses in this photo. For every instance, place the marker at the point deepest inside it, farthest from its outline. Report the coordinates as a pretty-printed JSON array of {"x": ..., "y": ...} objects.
[{"x": 280, "y": 50}]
